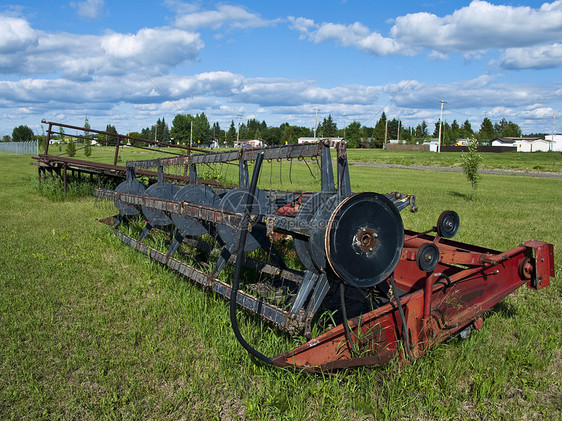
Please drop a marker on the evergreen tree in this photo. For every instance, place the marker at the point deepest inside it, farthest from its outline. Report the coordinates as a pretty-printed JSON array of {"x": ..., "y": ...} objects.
[
  {"x": 379, "y": 131},
  {"x": 107, "y": 140},
  {"x": 423, "y": 130},
  {"x": 453, "y": 134},
  {"x": 87, "y": 140},
  {"x": 393, "y": 129},
  {"x": 70, "y": 146},
  {"x": 216, "y": 131},
  {"x": 353, "y": 134},
  {"x": 201, "y": 130},
  {"x": 328, "y": 128},
  {"x": 487, "y": 132},
  {"x": 466, "y": 131},
  {"x": 231, "y": 134}
]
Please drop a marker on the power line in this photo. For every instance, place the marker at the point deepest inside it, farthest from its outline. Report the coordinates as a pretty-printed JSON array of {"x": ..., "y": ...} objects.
[{"x": 390, "y": 99}]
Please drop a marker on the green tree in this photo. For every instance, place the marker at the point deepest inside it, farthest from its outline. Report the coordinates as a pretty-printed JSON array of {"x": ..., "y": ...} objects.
[
  {"x": 70, "y": 146},
  {"x": 379, "y": 131},
  {"x": 272, "y": 136},
  {"x": 509, "y": 129},
  {"x": 6, "y": 138},
  {"x": 108, "y": 139},
  {"x": 421, "y": 131},
  {"x": 231, "y": 134},
  {"x": 87, "y": 140},
  {"x": 22, "y": 134},
  {"x": 393, "y": 129},
  {"x": 328, "y": 127},
  {"x": 450, "y": 134},
  {"x": 201, "y": 130},
  {"x": 216, "y": 131},
  {"x": 181, "y": 129},
  {"x": 353, "y": 134},
  {"x": 487, "y": 132},
  {"x": 160, "y": 131},
  {"x": 470, "y": 162},
  {"x": 289, "y": 135},
  {"x": 466, "y": 131}
]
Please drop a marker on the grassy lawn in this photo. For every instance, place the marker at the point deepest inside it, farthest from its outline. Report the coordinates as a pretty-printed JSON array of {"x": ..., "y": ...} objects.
[
  {"x": 538, "y": 161},
  {"x": 91, "y": 329}
]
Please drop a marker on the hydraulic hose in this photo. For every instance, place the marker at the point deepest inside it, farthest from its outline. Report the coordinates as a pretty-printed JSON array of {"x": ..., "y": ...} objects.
[
  {"x": 239, "y": 259},
  {"x": 346, "y": 321}
]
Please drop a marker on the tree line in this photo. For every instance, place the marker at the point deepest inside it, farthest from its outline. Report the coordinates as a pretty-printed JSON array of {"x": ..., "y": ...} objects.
[{"x": 196, "y": 130}]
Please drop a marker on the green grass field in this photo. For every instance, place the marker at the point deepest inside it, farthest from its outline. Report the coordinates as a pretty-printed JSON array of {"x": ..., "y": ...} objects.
[{"x": 91, "y": 329}]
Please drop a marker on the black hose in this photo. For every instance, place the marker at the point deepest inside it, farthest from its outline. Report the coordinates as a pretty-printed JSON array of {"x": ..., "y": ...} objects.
[
  {"x": 239, "y": 259},
  {"x": 346, "y": 321},
  {"x": 405, "y": 332}
]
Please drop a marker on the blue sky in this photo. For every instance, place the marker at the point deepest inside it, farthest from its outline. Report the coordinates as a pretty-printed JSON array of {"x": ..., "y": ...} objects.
[{"x": 128, "y": 63}]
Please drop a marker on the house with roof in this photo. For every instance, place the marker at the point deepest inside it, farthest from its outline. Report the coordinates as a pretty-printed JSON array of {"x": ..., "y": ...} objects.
[
  {"x": 556, "y": 142},
  {"x": 524, "y": 144}
]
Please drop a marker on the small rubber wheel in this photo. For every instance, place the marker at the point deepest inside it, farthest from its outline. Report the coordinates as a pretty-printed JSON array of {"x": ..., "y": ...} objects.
[
  {"x": 448, "y": 224},
  {"x": 427, "y": 257}
]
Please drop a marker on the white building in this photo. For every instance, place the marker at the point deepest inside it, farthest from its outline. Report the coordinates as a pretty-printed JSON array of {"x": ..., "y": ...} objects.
[
  {"x": 524, "y": 144},
  {"x": 556, "y": 142}
]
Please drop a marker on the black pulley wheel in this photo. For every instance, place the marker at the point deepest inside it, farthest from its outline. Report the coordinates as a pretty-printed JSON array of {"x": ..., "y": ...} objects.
[
  {"x": 130, "y": 187},
  {"x": 166, "y": 191},
  {"x": 235, "y": 201},
  {"x": 364, "y": 239},
  {"x": 197, "y": 195},
  {"x": 448, "y": 224},
  {"x": 427, "y": 257}
]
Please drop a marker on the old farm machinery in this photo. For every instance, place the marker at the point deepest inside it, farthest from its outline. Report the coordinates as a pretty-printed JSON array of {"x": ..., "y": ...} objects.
[{"x": 390, "y": 291}]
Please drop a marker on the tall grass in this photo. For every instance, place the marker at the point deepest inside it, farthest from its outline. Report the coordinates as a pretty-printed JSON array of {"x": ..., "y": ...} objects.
[{"x": 92, "y": 329}]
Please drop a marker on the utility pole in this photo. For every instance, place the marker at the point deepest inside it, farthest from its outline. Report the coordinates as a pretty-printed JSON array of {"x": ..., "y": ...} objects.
[
  {"x": 440, "y": 126},
  {"x": 191, "y": 133},
  {"x": 238, "y": 131},
  {"x": 399, "y": 121},
  {"x": 553, "y": 121},
  {"x": 315, "y": 123},
  {"x": 385, "y": 132}
]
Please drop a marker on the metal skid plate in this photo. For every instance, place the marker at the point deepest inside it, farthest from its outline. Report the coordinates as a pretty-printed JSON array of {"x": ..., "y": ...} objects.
[{"x": 364, "y": 239}]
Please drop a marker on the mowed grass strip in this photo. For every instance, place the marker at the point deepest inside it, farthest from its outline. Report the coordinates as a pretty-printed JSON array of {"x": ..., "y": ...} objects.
[{"x": 91, "y": 329}]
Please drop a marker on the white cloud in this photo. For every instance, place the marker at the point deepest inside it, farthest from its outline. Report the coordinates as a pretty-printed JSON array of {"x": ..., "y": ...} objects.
[
  {"x": 538, "y": 57},
  {"x": 353, "y": 35},
  {"x": 88, "y": 8},
  {"x": 16, "y": 35},
  {"x": 471, "y": 94},
  {"x": 224, "y": 16},
  {"x": 481, "y": 25},
  {"x": 80, "y": 57},
  {"x": 471, "y": 29}
]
